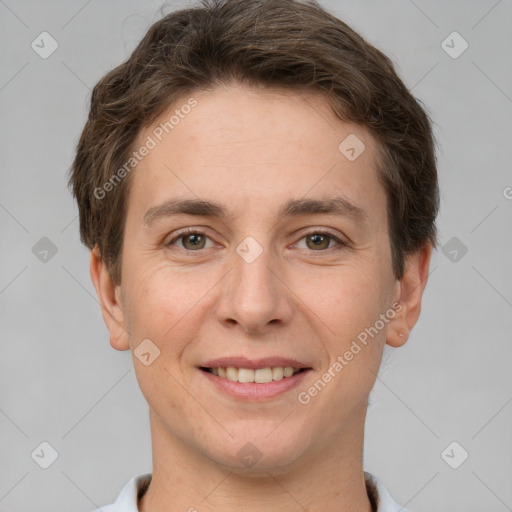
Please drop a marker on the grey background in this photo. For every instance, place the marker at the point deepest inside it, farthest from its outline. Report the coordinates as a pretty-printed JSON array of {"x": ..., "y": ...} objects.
[{"x": 61, "y": 382}]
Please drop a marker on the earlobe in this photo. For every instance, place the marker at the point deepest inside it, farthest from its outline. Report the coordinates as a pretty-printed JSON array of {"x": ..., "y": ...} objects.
[
  {"x": 111, "y": 305},
  {"x": 411, "y": 287}
]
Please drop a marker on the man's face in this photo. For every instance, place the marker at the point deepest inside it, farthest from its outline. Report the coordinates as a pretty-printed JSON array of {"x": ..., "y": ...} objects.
[{"x": 257, "y": 284}]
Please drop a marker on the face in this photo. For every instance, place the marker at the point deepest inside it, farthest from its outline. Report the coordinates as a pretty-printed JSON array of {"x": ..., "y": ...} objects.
[{"x": 263, "y": 279}]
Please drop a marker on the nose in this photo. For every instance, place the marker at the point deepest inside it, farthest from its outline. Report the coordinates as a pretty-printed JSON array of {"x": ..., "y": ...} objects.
[{"x": 254, "y": 295}]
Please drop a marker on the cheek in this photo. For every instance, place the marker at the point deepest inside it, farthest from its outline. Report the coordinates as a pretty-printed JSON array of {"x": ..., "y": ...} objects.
[
  {"x": 153, "y": 304},
  {"x": 167, "y": 307},
  {"x": 350, "y": 309},
  {"x": 347, "y": 299},
  {"x": 156, "y": 312}
]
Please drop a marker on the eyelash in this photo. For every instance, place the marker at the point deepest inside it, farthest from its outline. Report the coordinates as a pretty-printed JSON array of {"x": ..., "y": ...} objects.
[{"x": 193, "y": 231}]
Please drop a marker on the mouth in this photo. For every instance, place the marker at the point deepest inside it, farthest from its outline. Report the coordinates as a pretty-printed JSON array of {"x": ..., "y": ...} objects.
[
  {"x": 250, "y": 375},
  {"x": 254, "y": 380}
]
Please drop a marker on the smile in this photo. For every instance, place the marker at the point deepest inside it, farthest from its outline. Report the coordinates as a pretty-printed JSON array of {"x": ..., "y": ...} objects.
[
  {"x": 258, "y": 376},
  {"x": 254, "y": 385}
]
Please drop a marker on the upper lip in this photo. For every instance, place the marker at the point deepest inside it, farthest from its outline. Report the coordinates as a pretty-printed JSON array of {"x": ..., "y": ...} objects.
[{"x": 243, "y": 362}]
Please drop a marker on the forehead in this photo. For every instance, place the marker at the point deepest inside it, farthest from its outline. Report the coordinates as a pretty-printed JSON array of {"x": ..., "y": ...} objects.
[{"x": 256, "y": 146}]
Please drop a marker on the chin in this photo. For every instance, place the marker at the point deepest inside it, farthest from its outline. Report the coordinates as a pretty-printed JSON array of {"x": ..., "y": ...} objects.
[{"x": 257, "y": 453}]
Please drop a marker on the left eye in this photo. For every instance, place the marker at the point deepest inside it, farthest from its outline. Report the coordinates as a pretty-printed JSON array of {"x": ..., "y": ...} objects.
[
  {"x": 197, "y": 239},
  {"x": 320, "y": 240},
  {"x": 316, "y": 240}
]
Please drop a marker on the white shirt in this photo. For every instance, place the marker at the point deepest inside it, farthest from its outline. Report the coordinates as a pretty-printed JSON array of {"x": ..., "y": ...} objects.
[{"x": 127, "y": 499}]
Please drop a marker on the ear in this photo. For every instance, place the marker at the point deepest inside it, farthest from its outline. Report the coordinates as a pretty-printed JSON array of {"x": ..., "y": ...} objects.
[
  {"x": 411, "y": 288},
  {"x": 109, "y": 295}
]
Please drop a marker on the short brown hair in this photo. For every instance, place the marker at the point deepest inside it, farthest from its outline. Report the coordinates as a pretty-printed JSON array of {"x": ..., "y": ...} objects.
[{"x": 291, "y": 44}]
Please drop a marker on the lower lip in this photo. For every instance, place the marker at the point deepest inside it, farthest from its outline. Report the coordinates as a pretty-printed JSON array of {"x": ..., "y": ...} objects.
[{"x": 253, "y": 391}]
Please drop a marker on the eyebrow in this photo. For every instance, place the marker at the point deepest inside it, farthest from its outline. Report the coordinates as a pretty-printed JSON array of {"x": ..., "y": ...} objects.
[{"x": 339, "y": 206}]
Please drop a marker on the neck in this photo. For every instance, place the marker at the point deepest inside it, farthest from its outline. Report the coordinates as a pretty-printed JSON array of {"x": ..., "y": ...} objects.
[{"x": 185, "y": 480}]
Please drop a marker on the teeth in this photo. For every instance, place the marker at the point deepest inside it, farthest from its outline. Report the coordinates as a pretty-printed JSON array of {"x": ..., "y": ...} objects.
[
  {"x": 244, "y": 375},
  {"x": 232, "y": 373},
  {"x": 259, "y": 376},
  {"x": 263, "y": 375},
  {"x": 277, "y": 373},
  {"x": 288, "y": 371}
]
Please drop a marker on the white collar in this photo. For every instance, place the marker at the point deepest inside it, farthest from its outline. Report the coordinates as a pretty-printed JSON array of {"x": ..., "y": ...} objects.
[{"x": 128, "y": 497}]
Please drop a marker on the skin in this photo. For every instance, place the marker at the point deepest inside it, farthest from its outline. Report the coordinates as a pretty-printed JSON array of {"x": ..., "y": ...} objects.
[{"x": 253, "y": 150}]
